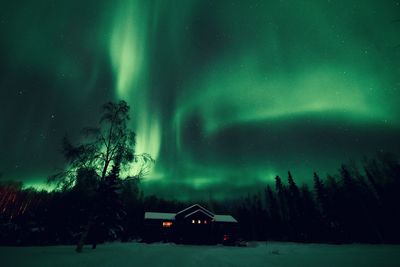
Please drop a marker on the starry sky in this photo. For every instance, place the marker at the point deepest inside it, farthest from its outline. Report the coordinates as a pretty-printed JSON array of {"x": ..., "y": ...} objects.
[{"x": 225, "y": 95}]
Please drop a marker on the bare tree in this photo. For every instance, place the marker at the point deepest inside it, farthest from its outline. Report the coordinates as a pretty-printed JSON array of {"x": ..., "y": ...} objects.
[{"x": 103, "y": 148}]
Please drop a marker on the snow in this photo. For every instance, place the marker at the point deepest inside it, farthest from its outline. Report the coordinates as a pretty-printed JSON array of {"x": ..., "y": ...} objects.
[
  {"x": 224, "y": 218},
  {"x": 271, "y": 254},
  {"x": 159, "y": 216}
]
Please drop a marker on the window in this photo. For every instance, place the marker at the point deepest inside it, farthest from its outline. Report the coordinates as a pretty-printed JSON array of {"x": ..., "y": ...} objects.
[
  {"x": 205, "y": 221},
  {"x": 199, "y": 222},
  {"x": 167, "y": 224},
  {"x": 192, "y": 221}
]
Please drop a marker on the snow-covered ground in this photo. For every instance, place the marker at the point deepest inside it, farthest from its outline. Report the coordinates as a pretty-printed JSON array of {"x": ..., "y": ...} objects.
[{"x": 272, "y": 254}]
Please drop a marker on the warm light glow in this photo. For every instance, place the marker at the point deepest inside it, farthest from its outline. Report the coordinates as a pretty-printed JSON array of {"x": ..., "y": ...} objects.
[
  {"x": 167, "y": 224},
  {"x": 199, "y": 222},
  {"x": 193, "y": 221},
  {"x": 226, "y": 237},
  {"x": 205, "y": 221}
]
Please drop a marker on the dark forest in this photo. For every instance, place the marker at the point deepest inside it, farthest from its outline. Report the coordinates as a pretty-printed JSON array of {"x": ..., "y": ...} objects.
[{"x": 353, "y": 205}]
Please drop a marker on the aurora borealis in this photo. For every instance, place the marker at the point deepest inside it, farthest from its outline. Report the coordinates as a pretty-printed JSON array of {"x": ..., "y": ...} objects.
[{"x": 224, "y": 94}]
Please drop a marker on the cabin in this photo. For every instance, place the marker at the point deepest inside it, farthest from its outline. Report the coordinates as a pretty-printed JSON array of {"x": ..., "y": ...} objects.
[{"x": 194, "y": 225}]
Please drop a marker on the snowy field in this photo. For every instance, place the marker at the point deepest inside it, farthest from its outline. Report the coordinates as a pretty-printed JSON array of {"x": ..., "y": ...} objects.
[{"x": 257, "y": 254}]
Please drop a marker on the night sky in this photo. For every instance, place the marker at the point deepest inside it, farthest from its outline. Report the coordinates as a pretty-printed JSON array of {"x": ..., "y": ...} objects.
[{"x": 225, "y": 95}]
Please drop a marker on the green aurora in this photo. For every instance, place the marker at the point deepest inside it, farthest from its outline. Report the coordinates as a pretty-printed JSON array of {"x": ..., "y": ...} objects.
[{"x": 225, "y": 95}]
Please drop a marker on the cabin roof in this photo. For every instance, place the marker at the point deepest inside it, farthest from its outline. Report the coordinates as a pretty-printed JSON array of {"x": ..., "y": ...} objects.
[
  {"x": 199, "y": 210},
  {"x": 159, "y": 215},
  {"x": 224, "y": 218},
  {"x": 185, "y": 213},
  {"x": 195, "y": 206}
]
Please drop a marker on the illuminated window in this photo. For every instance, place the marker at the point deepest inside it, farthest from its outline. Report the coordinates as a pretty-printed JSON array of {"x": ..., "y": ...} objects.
[
  {"x": 199, "y": 222},
  {"x": 205, "y": 221},
  {"x": 167, "y": 224},
  {"x": 226, "y": 237},
  {"x": 192, "y": 221}
]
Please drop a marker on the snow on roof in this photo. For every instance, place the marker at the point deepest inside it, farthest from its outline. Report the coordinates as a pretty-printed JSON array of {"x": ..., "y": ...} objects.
[
  {"x": 159, "y": 216},
  {"x": 171, "y": 216},
  {"x": 224, "y": 218},
  {"x": 200, "y": 207},
  {"x": 199, "y": 210}
]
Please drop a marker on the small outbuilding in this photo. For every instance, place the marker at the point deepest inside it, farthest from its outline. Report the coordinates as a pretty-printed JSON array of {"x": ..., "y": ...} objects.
[{"x": 194, "y": 224}]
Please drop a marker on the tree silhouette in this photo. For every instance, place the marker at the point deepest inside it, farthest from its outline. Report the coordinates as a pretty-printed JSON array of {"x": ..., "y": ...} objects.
[
  {"x": 273, "y": 210},
  {"x": 104, "y": 150},
  {"x": 293, "y": 202},
  {"x": 283, "y": 205},
  {"x": 100, "y": 146},
  {"x": 352, "y": 205},
  {"x": 308, "y": 216}
]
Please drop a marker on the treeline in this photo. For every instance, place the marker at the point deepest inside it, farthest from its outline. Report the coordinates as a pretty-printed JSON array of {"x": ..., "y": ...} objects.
[
  {"x": 31, "y": 217},
  {"x": 355, "y": 205}
]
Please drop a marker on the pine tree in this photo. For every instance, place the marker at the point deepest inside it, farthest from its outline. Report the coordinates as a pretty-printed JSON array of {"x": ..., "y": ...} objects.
[
  {"x": 293, "y": 201},
  {"x": 110, "y": 210},
  {"x": 282, "y": 199},
  {"x": 308, "y": 216},
  {"x": 321, "y": 194},
  {"x": 275, "y": 219},
  {"x": 293, "y": 189}
]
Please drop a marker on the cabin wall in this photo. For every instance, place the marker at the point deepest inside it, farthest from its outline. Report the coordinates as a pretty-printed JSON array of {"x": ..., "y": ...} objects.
[
  {"x": 196, "y": 229},
  {"x": 226, "y": 232},
  {"x": 155, "y": 231},
  {"x": 195, "y": 225},
  {"x": 185, "y": 231}
]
